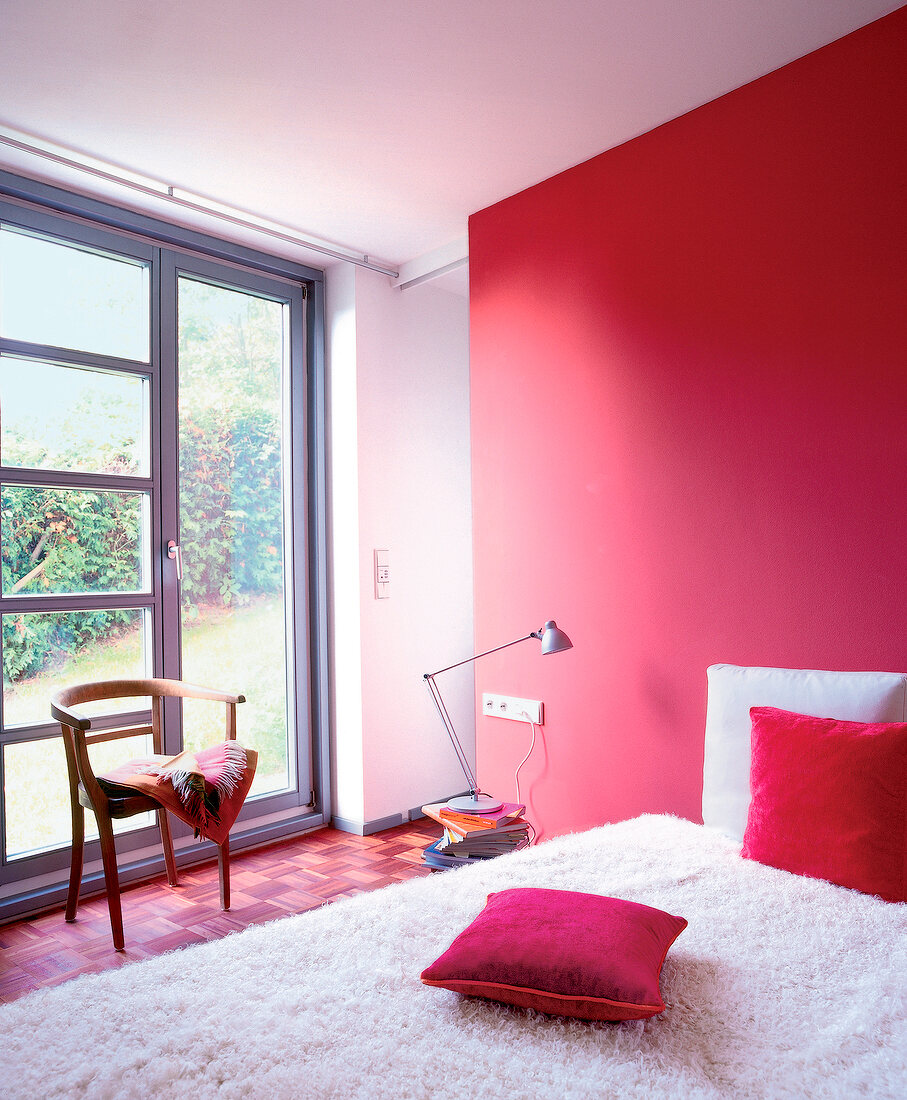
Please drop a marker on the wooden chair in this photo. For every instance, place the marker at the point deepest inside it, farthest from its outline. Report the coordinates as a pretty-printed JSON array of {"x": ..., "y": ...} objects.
[{"x": 86, "y": 793}]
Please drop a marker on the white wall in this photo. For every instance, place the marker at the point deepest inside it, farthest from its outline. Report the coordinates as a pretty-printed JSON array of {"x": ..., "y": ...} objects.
[
  {"x": 398, "y": 389},
  {"x": 343, "y": 533}
]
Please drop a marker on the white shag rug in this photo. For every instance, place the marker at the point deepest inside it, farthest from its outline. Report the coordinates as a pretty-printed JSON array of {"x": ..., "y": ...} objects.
[{"x": 780, "y": 987}]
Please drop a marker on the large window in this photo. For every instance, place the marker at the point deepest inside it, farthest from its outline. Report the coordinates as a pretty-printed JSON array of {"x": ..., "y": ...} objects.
[{"x": 157, "y": 426}]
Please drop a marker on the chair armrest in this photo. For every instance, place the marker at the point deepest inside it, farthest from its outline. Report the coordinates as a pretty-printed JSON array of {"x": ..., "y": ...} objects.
[{"x": 68, "y": 716}]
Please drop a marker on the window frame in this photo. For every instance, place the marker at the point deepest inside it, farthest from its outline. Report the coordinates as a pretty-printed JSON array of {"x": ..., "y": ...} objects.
[{"x": 49, "y": 209}]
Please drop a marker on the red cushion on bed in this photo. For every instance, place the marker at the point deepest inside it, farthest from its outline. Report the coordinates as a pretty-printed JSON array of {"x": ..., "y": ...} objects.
[
  {"x": 829, "y": 800},
  {"x": 562, "y": 952}
]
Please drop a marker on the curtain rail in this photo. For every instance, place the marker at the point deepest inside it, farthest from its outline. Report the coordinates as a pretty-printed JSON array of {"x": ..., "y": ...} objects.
[{"x": 166, "y": 192}]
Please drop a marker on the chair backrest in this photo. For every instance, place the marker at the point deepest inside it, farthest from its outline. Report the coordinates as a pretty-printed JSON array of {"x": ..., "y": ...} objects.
[{"x": 74, "y": 725}]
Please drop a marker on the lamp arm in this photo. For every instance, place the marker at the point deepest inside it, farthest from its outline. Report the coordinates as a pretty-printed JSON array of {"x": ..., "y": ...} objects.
[
  {"x": 560, "y": 641},
  {"x": 451, "y": 733},
  {"x": 506, "y": 645}
]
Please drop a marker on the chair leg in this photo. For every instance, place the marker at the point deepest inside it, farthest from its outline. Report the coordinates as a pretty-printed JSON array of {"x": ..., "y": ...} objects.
[
  {"x": 167, "y": 844},
  {"x": 223, "y": 863},
  {"x": 75, "y": 870},
  {"x": 111, "y": 879}
]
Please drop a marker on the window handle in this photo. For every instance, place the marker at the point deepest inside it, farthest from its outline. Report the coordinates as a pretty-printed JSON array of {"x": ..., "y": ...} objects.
[{"x": 173, "y": 552}]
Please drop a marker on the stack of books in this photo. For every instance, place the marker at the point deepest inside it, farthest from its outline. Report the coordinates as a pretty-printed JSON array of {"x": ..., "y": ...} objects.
[{"x": 470, "y": 838}]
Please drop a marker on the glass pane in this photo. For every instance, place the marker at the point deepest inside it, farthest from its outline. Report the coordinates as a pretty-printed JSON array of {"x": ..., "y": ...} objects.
[
  {"x": 49, "y": 650},
  {"x": 232, "y": 348},
  {"x": 71, "y": 541},
  {"x": 64, "y": 418},
  {"x": 217, "y": 652},
  {"x": 58, "y": 294},
  {"x": 36, "y": 791}
]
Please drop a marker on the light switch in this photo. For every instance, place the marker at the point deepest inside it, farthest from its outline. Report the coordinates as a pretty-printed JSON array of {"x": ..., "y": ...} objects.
[{"x": 382, "y": 574}]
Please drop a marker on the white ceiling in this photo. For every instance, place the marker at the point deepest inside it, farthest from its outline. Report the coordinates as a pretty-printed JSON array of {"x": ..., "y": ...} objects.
[{"x": 380, "y": 126}]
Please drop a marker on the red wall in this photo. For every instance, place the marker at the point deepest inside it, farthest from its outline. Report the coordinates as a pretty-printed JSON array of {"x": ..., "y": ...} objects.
[{"x": 689, "y": 424}]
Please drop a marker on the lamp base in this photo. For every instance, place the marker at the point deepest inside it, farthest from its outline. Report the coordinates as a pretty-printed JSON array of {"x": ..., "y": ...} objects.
[{"x": 474, "y": 804}]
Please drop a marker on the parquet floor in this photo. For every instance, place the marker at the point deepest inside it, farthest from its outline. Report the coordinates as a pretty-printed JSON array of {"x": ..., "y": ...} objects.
[{"x": 266, "y": 883}]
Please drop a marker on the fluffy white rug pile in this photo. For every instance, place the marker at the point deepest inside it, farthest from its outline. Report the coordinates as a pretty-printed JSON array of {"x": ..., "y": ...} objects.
[{"x": 779, "y": 987}]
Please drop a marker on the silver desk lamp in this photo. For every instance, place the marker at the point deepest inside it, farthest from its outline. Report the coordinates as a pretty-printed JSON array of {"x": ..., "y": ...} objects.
[{"x": 553, "y": 640}]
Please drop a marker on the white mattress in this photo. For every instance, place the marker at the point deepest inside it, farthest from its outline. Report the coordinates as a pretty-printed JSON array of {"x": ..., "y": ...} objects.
[{"x": 780, "y": 987}]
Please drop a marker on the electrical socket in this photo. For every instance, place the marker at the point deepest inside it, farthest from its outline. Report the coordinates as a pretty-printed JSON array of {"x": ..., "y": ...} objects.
[{"x": 509, "y": 706}]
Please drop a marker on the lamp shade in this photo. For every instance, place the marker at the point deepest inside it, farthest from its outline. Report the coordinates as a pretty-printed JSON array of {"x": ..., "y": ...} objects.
[{"x": 554, "y": 640}]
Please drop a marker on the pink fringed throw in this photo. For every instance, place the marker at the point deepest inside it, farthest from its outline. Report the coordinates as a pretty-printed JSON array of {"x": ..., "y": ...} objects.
[{"x": 205, "y": 789}]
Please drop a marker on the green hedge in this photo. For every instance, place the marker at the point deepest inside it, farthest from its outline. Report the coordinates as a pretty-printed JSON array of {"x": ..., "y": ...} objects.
[{"x": 81, "y": 541}]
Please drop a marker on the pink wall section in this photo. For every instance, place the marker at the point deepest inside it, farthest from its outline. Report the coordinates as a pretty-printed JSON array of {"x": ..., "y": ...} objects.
[{"x": 689, "y": 424}]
